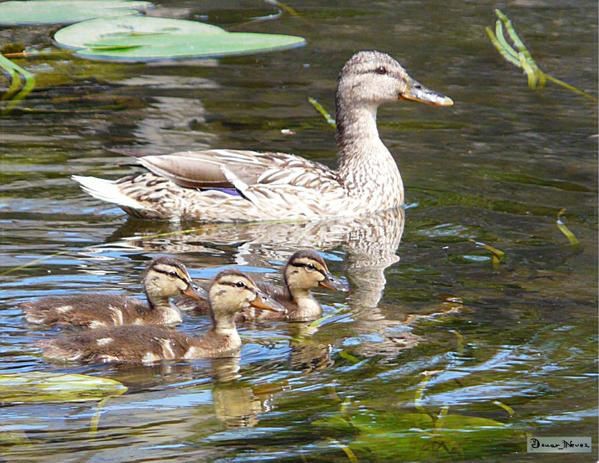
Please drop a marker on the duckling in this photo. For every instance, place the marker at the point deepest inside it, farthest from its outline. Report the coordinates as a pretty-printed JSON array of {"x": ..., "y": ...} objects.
[
  {"x": 163, "y": 279},
  {"x": 305, "y": 270},
  {"x": 230, "y": 292}
]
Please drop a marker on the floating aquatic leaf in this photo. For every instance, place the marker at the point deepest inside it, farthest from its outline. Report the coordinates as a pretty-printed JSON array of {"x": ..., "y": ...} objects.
[
  {"x": 92, "y": 33},
  {"x": 17, "y": 13},
  {"x": 133, "y": 38},
  {"x": 521, "y": 57},
  {"x": 56, "y": 387},
  {"x": 565, "y": 230}
]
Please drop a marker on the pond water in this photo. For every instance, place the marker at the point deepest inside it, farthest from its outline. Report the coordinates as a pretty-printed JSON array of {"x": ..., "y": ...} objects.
[{"x": 436, "y": 354}]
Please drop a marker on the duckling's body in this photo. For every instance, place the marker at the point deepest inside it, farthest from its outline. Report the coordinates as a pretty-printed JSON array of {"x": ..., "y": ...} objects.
[
  {"x": 164, "y": 278},
  {"x": 222, "y": 185},
  {"x": 229, "y": 293},
  {"x": 305, "y": 270}
]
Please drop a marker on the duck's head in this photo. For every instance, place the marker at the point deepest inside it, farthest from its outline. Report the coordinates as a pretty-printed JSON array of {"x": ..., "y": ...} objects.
[
  {"x": 371, "y": 78},
  {"x": 232, "y": 291},
  {"x": 166, "y": 277},
  {"x": 306, "y": 270}
]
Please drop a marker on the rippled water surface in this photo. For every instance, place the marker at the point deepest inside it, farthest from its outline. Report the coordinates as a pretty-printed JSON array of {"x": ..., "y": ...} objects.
[{"x": 436, "y": 354}]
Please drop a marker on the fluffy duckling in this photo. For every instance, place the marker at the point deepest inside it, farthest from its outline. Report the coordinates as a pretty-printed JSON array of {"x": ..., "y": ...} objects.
[
  {"x": 305, "y": 270},
  {"x": 163, "y": 279},
  {"x": 230, "y": 292}
]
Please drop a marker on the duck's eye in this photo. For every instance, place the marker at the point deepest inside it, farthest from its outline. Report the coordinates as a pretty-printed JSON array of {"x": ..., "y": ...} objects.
[
  {"x": 311, "y": 267},
  {"x": 240, "y": 284},
  {"x": 173, "y": 274},
  {"x": 382, "y": 70}
]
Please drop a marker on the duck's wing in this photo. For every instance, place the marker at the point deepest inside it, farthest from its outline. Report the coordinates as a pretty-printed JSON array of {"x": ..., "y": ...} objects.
[{"x": 219, "y": 168}]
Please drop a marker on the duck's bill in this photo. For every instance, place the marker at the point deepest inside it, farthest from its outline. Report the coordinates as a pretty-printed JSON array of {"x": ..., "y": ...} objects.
[
  {"x": 331, "y": 282},
  {"x": 196, "y": 292},
  {"x": 418, "y": 92},
  {"x": 264, "y": 302}
]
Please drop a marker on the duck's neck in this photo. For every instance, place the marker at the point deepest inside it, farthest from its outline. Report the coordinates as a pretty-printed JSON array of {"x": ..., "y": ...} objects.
[
  {"x": 161, "y": 306},
  {"x": 366, "y": 167},
  {"x": 157, "y": 301},
  {"x": 307, "y": 307},
  {"x": 222, "y": 339},
  {"x": 224, "y": 326}
]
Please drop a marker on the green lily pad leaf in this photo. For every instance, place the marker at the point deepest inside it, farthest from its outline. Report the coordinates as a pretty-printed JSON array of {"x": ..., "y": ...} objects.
[
  {"x": 126, "y": 29},
  {"x": 36, "y": 387},
  {"x": 148, "y": 39},
  {"x": 21, "y": 13}
]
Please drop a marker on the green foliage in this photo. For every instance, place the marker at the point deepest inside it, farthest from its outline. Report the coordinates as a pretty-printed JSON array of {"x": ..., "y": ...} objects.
[
  {"x": 21, "y": 83},
  {"x": 396, "y": 436},
  {"x": 132, "y": 38},
  {"x": 565, "y": 230},
  {"x": 19, "y": 13},
  {"x": 41, "y": 387},
  {"x": 323, "y": 112},
  {"x": 521, "y": 57}
]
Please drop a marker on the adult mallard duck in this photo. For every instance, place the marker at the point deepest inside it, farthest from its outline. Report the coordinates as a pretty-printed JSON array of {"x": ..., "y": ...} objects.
[
  {"x": 239, "y": 186},
  {"x": 305, "y": 270},
  {"x": 230, "y": 292},
  {"x": 164, "y": 278}
]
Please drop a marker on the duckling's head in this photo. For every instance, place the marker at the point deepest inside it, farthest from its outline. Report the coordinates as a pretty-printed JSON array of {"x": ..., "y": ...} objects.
[
  {"x": 370, "y": 78},
  {"x": 232, "y": 291},
  {"x": 166, "y": 277},
  {"x": 306, "y": 270}
]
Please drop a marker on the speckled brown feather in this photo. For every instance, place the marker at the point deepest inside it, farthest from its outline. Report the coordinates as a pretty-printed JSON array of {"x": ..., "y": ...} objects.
[{"x": 273, "y": 186}]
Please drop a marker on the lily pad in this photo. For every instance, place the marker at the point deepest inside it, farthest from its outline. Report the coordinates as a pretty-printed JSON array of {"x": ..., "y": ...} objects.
[
  {"x": 22, "y": 13},
  {"x": 148, "y": 39},
  {"x": 95, "y": 31},
  {"x": 37, "y": 387}
]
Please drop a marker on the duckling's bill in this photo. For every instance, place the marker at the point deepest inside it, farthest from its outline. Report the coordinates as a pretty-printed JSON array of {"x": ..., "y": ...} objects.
[
  {"x": 334, "y": 283},
  {"x": 196, "y": 292},
  {"x": 419, "y": 93},
  {"x": 264, "y": 302}
]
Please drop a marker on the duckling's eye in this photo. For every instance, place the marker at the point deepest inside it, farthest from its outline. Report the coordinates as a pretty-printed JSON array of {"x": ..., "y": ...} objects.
[
  {"x": 173, "y": 274},
  {"x": 311, "y": 267},
  {"x": 240, "y": 284},
  {"x": 382, "y": 70}
]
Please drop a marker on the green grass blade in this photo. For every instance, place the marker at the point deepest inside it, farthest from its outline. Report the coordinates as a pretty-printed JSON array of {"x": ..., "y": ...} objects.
[
  {"x": 565, "y": 230},
  {"x": 566, "y": 85},
  {"x": 17, "y": 90},
  {"x": 506, "y": 55},
  {"x": 323, "y": 112},
  {"x": 15, "y": 80},
  {"x": 506, "y": 48}
]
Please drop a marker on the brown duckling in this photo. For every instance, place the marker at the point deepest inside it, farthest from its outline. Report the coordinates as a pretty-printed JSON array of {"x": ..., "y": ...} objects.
[
  {"x": 163, "y": 279},
  {"x": 230, "y": 292},
  {"x": 305, "y": 270}
]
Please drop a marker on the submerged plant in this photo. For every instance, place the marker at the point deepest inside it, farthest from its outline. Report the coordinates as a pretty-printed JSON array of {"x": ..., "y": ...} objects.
[
  {"x": 21, "y": 83},
  {"x": 561, "y": 225},
  {"x": 519, "y": 56}
]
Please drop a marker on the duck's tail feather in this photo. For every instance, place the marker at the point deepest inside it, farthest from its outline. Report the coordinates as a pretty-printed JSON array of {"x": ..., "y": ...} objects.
[{"x": 107, "y": 190}]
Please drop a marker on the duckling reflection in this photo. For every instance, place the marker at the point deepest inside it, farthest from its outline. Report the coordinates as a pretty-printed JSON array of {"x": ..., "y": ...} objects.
[
  {"x": 307, "y": 354},
  {"x": 369, "y": 243}
]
